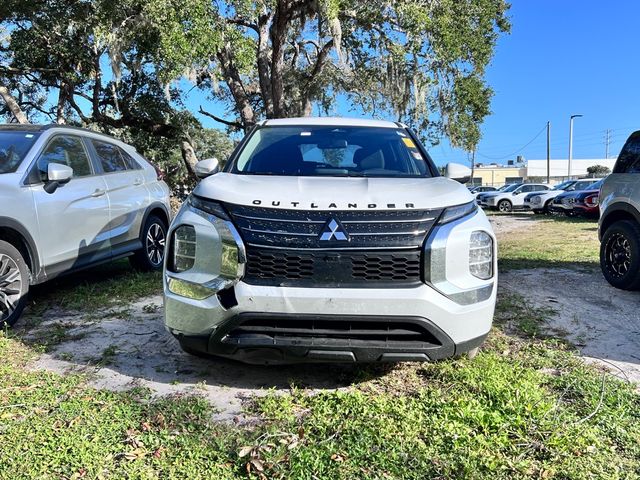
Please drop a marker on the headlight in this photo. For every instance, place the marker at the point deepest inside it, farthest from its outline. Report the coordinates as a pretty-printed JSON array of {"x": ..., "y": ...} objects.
[
  {"x": 183, "y": 249},
  {"x": 453, "y": 213},
  {"x": 481, "y": 255},
  {"x": 209, "y": 206}
]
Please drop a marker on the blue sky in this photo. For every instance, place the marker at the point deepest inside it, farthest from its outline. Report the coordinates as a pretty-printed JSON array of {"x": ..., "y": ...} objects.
[{"x": 562, "y": 57}]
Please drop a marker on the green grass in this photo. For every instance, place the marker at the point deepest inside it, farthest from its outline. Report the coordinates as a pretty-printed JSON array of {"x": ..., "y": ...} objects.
[
  {"x": 550, "y": 242},
  {"x": 523, "y": 408},
  {"x": 111, "y": 284}
]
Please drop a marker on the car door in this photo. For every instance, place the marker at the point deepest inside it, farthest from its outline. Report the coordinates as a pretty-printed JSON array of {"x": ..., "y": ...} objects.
[
  {"x": 73, "y": 219},
  {"x": 127, "y": 192}
]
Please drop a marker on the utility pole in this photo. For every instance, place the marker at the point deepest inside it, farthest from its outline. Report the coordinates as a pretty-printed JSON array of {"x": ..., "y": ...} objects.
[
  {"x": 548, "y": 153},
  {"x": 571, "y": 141},
  {"x": 607, "y": 141}
]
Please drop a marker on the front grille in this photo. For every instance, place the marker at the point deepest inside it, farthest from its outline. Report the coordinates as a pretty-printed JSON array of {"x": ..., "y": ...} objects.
[
  {"x": 385, "y": 229},
  {"x": 332, "y": 269},
  {"x": 271, "y": 330}
]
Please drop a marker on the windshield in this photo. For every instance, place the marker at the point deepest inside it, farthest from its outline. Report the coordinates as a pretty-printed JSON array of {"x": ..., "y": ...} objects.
[
  {"x": 14, "y": 145},
  {"x": 332, "y": 151},
  {"x": 563, "y": 185},
  {"x": 511, "y": 187}
]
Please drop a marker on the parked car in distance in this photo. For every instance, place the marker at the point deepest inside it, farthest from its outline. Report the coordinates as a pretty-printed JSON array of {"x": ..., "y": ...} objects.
[
  {"x": 539, "y": 202},
  {"x": 289, "y": 256},
  {"x": 480, "y": 196},
  {"x": 70, "y": 199},
  {"x": 511, "y": 198},
  {"x": 482, "y": 189},
  {"x": 619, "y": 227},
  {"x": 586, "y": 202}
]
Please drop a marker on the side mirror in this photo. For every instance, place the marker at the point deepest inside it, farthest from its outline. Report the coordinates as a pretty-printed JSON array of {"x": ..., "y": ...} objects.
[
  {"x": 457, "y": 172},
  {"x": 206, "y": 168},
  {"x": 57, "y": 175}
]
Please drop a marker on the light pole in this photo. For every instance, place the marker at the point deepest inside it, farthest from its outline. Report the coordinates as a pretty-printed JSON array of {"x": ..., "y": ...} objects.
[{"x": 571, "y": 141}]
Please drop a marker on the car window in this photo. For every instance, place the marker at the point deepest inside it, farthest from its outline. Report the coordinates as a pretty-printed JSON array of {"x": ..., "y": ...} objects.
[
  {"x": 129, "y": 161},
  {"x": 14, "y": 145},
  {"x": 629, "y": 158},
  {"x": 109, "y": 156},
  {"x": 583, "y": 185},
  {"x": 65, "y": 150}
]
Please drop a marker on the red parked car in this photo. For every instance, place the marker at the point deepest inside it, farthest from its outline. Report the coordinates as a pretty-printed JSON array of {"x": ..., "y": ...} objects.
[{"x": 586, "y": 202}]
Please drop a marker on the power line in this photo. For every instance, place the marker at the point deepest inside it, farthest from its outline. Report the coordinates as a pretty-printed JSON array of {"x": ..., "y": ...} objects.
[{"x": 518, "y": 150}]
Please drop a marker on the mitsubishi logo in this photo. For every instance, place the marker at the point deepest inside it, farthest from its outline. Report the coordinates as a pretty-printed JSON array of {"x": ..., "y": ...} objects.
[{"x": 333, "y": 230}]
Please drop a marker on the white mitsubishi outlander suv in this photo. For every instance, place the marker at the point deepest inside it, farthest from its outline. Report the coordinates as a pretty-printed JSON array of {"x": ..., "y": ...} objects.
[
  {"x": 70, "y": 199},
  {"x": 330, "y": 239}
]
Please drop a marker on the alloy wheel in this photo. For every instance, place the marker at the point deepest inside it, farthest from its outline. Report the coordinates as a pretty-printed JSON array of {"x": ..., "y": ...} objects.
[
  {"x": 10, "y": 286},
  {"x": 504, "y": 206},
  {"x": 618, "y": 254},
  {"x": 155, "y": 243}
]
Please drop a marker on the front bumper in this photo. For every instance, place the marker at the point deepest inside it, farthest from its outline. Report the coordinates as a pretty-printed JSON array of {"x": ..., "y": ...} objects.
[
  {"x": 288, "y": 325},
  {"x": 449, "y": 313}
]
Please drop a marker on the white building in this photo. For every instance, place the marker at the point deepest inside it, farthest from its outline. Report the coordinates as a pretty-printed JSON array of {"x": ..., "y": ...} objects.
[{"x": 560, "y": 168}]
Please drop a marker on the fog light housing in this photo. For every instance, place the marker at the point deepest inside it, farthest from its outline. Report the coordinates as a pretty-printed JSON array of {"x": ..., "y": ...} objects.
[
  {"x": 183, "y": 249},
  {"x": 481, "y": 255}
]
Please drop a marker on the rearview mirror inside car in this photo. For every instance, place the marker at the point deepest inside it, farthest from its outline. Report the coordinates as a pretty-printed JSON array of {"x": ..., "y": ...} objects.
[
  {"x": 206, "y": 168},
  {"x": 458, "y": 172},
  {"x": 57, "y": 175}
]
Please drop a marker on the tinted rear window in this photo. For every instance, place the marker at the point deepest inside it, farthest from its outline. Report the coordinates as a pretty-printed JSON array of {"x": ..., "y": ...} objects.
[
  {"x": 629, "y": 158},
  {"x": 13, "y": 148}
]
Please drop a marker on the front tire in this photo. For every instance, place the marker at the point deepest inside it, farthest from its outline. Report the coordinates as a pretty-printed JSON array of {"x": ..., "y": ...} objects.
[
  {"x": 505, "y": 206},
  {"x": 14, "y": 284},
  {"x": 620, "y": 255},
  {"x": 154, "y": 239}
]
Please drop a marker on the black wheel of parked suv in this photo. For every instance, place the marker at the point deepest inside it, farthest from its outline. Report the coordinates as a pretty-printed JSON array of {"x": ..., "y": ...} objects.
[
  {"x": 14, "y": 284},
  {"x": 505, "y": 206},
  {"x": 154, "y": 239},
  {"x": 620, "y": 255}
]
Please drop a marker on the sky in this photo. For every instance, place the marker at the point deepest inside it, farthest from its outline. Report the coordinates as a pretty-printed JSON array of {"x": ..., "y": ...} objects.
[{"x": 562, "y": 57}]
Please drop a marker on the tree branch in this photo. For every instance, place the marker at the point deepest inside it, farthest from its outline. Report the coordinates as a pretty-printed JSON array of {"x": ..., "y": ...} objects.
[
  {"x": 221, "y": 120},
  {"x": 12, "y": 105}
]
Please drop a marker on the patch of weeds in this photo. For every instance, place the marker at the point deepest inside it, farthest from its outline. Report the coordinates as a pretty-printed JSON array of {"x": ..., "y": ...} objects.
[
  {"x": 96, "y": 288},
  {"x": 66, "y": 356},
  {"x": 151, "y": 308},
  {"x": 53, "y": 335},
  {"x": 108, "y": 355},
  {"x": 515, "y": 313}
]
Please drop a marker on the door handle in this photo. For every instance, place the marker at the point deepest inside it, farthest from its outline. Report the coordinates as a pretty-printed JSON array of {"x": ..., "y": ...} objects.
[
  {"x": 98, "y": 193},
  {"x": 137, "y": 182}
]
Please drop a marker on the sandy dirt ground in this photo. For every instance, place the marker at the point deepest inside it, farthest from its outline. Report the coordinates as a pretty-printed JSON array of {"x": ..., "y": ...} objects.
[
  {"x": 129, "y": 348},
  {"x": 120, "y": 351}
]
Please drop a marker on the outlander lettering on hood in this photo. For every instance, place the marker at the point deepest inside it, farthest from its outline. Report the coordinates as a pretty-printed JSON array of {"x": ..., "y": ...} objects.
[{"x": 349, "y": 205}]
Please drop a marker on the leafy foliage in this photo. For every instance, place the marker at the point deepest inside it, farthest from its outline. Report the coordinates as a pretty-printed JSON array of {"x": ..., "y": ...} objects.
[
  {"x": 121, "y": 66},
  {"x": 598, "y": 171}
]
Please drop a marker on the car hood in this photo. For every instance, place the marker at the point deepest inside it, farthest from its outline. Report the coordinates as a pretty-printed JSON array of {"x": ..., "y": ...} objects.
[{"x": 340, "y": 193}]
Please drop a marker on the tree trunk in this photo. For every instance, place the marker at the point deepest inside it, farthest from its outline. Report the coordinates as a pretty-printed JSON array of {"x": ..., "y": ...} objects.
[
  {"x": 240, "y": 96},
  {"x": 263, "y": 64},
  {"x": 278, "y": 38},
  {"x": 189, "y": 155},
  {"x": 13, "y": 106}
]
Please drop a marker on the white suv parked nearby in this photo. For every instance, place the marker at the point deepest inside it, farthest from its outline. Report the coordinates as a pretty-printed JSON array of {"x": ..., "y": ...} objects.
[
  {"x": 512, "y": 197},
  {"x": 330, "y": 239},
  {"x": 69, "y": 199}
]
